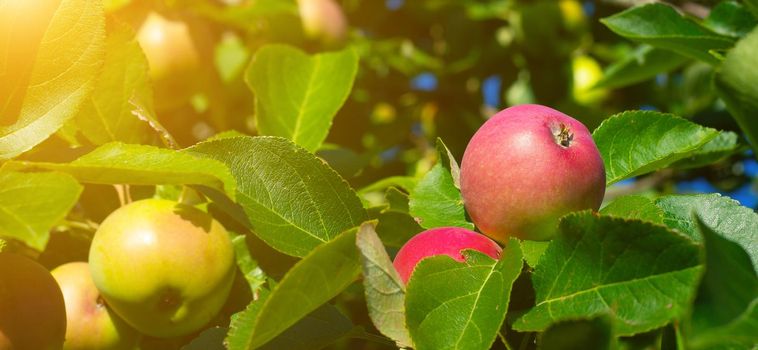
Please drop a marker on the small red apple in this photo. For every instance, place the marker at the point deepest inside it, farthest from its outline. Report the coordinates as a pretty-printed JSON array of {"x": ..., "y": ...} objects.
[
  {"x": 526, "y": 167},
  {"x": 90, "y": 322},
  {"x": 32, "y": 313},
  {"x": 450, "y": 241}
]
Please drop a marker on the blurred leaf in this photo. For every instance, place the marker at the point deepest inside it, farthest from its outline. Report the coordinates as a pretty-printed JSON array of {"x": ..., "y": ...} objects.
[
  {"x": 722, "y": 215},
  {"x": 254, "y": 276},
  {"x": 436, "y": 201},
  {"x": 735, "y": 84},
  {"x": 595, "y": 333},
  {"x": 244, "y": 16},
  {"x": 644, "y": 63},
  {"x": 32, "y": 203},
  {"x": 319, "y": 276},
  {"x": 642, "y": 274},
  {"x": 118, "y": 163},
  {"x": 533, "y": 251},
  {"x": 725, "y": 313},
  {"x": 407, "y": 183},
  {"x": 637, "y": 142},
  {"x": 294, "y": 202},
  {"x": 659, "y": 25},
  {"x": 452, "y": 305},
  {"x": 50, "y": 54},
  {"x": 230, "y": 57},
  {"x": 725, "y": 144},
  {"x": 385, "y": 292},
  {"x": 730, "y": 18},
  {"x": 210, "y": 339},
  {"x": 296, "y": 95},
  {"x": 752, "y": 5},
  {"x": 123, "y": 81},
  {"x": 634, "y": 207}
]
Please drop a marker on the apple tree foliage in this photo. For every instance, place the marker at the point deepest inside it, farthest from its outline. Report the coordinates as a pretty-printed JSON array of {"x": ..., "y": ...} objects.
[{"x": 322, "y": 157}]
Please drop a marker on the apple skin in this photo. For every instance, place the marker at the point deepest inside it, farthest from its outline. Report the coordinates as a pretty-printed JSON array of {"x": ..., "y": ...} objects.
[
  {"x": 323, "y": 20},
  {"x": 32, "y": 312},
  {"x": 173, "y": 59},
  {"x": 586, "y": 72},
  {"x": 166, "y": 268},
  {"x": 517, "y": 179},
  {"x": 91, "y": 325},
  {"x": 450, "y": 241}
]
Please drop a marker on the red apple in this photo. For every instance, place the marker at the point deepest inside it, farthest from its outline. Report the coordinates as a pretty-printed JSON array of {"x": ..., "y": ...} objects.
[
  {"x": 90, "y": 322},
  {"x": 450, "y": 241},
  {"x": 166, "y": 268},
  {"x": 32, "y": 313},
  {"x": 526, "y": 167}
]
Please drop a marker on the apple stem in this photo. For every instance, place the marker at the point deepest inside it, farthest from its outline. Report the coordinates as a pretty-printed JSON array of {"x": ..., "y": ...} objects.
[{"x": 563, "y": 135}]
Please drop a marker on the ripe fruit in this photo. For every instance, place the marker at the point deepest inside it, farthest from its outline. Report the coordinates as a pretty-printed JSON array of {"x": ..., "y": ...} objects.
[
  {"x": 172, "y": 57},
  {"x": 90, "y": 323},
  {"x": 323, "y": 20},
  {"x": 32, "y": 313},
  {"x": 526, "y": 167},
  {"x": 450, "y": 241},
  {"x": 165, "y": 268}
]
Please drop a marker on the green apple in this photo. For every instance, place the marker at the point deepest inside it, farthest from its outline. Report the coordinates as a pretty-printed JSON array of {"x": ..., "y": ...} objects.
[
  {"x": 166, "y": 268},
  {"x": 91, "y": 325},
  {"x": 586, "y": 73},
  {"x": 32, "y": 313}
]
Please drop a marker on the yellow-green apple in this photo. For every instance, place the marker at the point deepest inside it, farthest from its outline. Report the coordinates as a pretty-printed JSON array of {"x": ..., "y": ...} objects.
[
  {"x": 450, "y": 241},
  {"x": 323, "y": 20},
  {"x": 526, "y": 167},
  {"x": 32, "y": 313},
  {"x": 166, "y": 268},
  {"x": 172, "y": 57},
  {"x": 586, "y": 73},
  {"x": 91, "y": 325}
]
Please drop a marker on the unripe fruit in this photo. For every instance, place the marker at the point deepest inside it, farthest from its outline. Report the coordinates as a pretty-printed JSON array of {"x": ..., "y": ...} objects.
[
  {"x": 91, "y": 325},
  {"x": 450, "y": 241},
  {"x": 165, "y": 268},
  {"x": 323, "y": 20},
  {"x": 172, "y": 57},
  {"x": 586, "y": 73},
  {"x": 526, "y": 167},
  {"x": 32, "y": 312}
]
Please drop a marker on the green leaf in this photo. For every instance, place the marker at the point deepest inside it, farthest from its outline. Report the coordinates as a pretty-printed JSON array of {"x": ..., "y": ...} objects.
[
  {"x": 730, "y": 18},
  {"x": 316, "y": 330},
  {"x": 452, "y": 305},
  {"x": 32, "y": 203},
  {"x": 407, "y": 183},
  {"x": 735, "y": 81},
  {"x": 634, "y": 207},
  {"x": 319, "y": 276},
  {"x": 637, "y": 142},
  {"x": 595, "y": 333},
  {"x": 436, "y": 201},
  {"x": 385, "y": 292},
  {"x": 123, "y": 81},
  {"x": 642, "y": 274},
  {"x": 117, "y": 163},
  {"x": 254, "y": 276},
  {"x": 296, "y": 95},
  {"x": 724, "y": 145},
  {"x": 396, "y": 226},
  {"x": 50, "y": 54},
  {"x": 644, "y": 63},
  {"x": 726, "y": 308},
  {"x": 209, "y": 339},
  {"x": 293, "y": 201},
  {"x": 659, "y": 25},
  {"x": 533, "y": 251},
  {"x": 752, "y": 5},
  {"x": 723, "y": 215}
]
